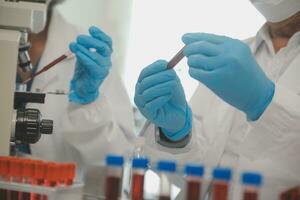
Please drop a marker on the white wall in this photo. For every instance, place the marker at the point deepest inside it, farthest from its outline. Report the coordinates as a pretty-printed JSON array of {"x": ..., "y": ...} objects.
[
  {"x": 112, "y": 16},
  {"x": 157, "y": 27}
]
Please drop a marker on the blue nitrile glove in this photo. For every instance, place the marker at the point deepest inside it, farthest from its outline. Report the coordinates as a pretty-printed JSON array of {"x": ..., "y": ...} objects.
[
  {"x": 229, "y": 69},
  {"x": 161, "y": 99},
  {"x": 93, "y": 63}
]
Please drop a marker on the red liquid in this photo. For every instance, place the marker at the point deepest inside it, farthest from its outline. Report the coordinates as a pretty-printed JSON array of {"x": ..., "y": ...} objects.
[
  {"x": 3, "y": 194},
  {"x": 35, "y": 196},
  {"x": 25, "y": 196},
  {"x": 220, "y": 191},
  {"x": 193, "y": 190},
  {"x": 164, "y": 198},
  {"x": 250, "y": 195},
  {"x": 112, "y": 188},
  {"x": 137, "y": 187},
  {"x": 291, "y": 194}
]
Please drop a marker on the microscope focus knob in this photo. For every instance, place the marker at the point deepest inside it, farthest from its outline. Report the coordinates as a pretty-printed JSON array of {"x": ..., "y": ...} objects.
[
  {"x": 30, "y": 126},
  {"x": 46, "y": 126}
]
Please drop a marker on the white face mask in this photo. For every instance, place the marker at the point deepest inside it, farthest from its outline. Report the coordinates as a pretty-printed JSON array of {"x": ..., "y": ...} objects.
[{"x": 277, "y": 10}]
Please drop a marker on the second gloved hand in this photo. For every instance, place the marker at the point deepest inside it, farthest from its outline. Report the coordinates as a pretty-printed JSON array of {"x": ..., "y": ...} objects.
[
  {"x": 93, "y": 54},
  {"x": 228, "y": 68},
  {"x": 160, "y": 98}
]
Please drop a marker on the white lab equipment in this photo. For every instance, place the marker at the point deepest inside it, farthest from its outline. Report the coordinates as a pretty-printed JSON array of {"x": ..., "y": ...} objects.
[{"x": 16, "y": 20}]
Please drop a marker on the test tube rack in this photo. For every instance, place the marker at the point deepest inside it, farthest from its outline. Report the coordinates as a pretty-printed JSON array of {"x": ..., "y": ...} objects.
[{"x": 73, "y": 192}]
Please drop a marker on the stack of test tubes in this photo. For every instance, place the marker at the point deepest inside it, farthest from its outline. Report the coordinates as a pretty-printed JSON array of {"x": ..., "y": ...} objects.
[{"x": 27, "y": 179}]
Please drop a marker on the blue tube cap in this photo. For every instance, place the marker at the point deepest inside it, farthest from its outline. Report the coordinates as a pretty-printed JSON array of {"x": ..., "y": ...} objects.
[
  {"x": 194, "y": 170},
  {"x": 222, "y": 174},
  {"x": 167, "y": 166},
  {"x": 114, "y": 160},
  {"x": 141, "y": 163},
  {"x": 252, "y": 178}
]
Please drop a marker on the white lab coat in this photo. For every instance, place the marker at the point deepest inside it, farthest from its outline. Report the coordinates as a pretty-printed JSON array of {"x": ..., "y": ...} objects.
[
  {"x": 222, "y": 136},
  {"x": 82, "y": 133}
]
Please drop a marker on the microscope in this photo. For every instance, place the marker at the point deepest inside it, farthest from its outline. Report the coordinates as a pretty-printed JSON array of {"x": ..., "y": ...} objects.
[{"x": 19, "y": 124}]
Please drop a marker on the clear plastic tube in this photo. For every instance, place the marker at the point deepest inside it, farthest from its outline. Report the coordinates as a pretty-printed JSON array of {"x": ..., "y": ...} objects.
[
  {"x": 165, "y": 168},
  {"x": 139, "y": 167}
]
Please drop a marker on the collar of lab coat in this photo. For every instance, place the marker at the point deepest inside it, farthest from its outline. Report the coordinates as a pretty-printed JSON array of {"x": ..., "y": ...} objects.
[{"x": 263, "y": 36}]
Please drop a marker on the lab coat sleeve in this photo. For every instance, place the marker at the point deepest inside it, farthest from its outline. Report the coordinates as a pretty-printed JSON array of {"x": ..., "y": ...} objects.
[
  {"x": 91, "y": 131},
  {"x": 207, "y": 143},
  {"x": 279, "y": 125}
]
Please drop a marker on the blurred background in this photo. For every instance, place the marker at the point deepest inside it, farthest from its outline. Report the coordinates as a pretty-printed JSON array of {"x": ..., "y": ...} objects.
[{"x": 146, "y": 30}]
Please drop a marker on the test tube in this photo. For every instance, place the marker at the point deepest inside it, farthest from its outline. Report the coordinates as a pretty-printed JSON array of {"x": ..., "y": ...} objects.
[
  {"x": 251, "y": 185},
  {"x": 52, "y": 174},
  {"x": 3, "y": 176},
  {"x": 114, "y": 174},
  {"x": 14, "y": 172},
  {"x": 291, "y": 194},
  {"x": 71, "y": 167},
  {"x": 176, "y": 59},
  {"x": 194, "y": 175},
  {"x": 220, "y": 185},
  {"x": 39, "y": 175},
  {"x": 139, "y": 167},
  {"x": 165, "y": 168},
  {"x": 27, "y": 174}
]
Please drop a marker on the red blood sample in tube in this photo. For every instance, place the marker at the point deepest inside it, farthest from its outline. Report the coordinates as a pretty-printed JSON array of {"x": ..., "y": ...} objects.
[
  {"x": 164, "y": 198},
  {"x": 250, "y": 195},
  {"x": 51, "y": 174},
  {"x": 193, "y": 190},
  {"x": 15, "y": 176},
  {"x": 39, "y": 175},
  {"x": 3, "y": 175},
  {"x": 220, "y": 190},
  {"x": 291, "y": 194},
  {"x": 27, "y": 174},
  {"x": 112, "y": 188},
  {"x": 71, "y": 172},
  {"x": 137, "y": 187}
]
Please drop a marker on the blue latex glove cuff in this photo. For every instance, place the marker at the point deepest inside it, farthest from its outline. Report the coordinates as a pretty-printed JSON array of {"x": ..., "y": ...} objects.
[
  {"x": 257, "y": 112},
  {"x": 73, "y": 97},
  {"x": 184, "y": 131}
]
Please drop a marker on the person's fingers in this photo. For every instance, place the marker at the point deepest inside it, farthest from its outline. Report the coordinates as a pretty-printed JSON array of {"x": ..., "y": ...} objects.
[
  {"x": 202, "y": 47},
  {"x": 100, "y": 35},
  {"x": 189, "y": 38},
  {"x": 154, "y": 68},
  {"x": 96, "y": 57},
  {"x": 93, "y": 43},
  {"x": 159, "y": 90},
  {"x": 155, "y": 105},
  {"x": 208, "y": 78},
  {"x": 73, "y": 47},
  {"x": 156, "y": 79},
  {"x": 92, "y": 67},
  {"x": 204, "y": 62}
]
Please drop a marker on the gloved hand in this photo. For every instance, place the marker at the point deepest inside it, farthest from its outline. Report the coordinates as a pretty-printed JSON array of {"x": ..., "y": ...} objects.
[
  {"x": 161, "y": 99},
  {"x": 228, "y": 68},
  {"x": 93, "y": 63}
]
